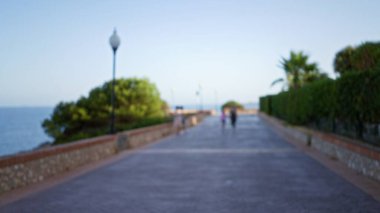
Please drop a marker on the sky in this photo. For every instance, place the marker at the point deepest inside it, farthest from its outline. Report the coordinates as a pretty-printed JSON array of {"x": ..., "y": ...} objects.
[{"x": 52, "y": 51}]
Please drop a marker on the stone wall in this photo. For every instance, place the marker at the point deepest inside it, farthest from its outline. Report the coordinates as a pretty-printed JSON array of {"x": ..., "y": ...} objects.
[
  {"x": 27, "y": 168},
  {"x": 23, "y": 169},
  {"x": 139, "y": 137},
  {"x": 360, "y": 157}
]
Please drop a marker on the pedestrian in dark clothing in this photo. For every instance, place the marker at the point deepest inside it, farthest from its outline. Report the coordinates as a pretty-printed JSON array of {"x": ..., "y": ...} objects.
[{"x": 233, "y": 116}]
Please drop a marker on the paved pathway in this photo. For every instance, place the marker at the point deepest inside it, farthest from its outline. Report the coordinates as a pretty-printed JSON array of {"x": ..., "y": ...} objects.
[{"x": 249, "y": 169}]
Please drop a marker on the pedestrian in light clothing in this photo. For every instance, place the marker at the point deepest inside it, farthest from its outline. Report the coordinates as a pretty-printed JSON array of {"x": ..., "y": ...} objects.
[
  {"x": 178, "y": 120},
  {"x": 223, "y": 118}
]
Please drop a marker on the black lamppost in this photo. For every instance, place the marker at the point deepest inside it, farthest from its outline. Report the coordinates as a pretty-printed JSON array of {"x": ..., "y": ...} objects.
[{"x": 114, "y": 42}]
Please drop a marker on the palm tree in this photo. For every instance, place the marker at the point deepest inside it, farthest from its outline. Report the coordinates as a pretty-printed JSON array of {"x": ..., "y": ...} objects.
[{"x": 298, "y": 70}]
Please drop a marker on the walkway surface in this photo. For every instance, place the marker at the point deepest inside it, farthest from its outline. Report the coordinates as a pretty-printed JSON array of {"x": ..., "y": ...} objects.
[{"x": 207, "y": 169}]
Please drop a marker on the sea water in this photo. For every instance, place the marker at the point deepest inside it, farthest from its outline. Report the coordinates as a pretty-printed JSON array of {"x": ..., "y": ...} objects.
[{"x": 20, "y": 128}]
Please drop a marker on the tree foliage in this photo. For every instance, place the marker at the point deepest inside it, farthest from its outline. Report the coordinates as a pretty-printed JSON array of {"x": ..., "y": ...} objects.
[
  {"x": 232, "y": 104},
  {"x": 137, "y": 101},
  {"x": 343, "y": 60},
  {"x": 299, "y": 71},
  {"x": 362, "y": 58}
]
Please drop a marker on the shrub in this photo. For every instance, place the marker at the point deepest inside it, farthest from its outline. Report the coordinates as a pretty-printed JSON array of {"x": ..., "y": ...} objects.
[
  {"x": 265, "y": 104},
  {"x": 359, "y": 99},
  {"x": 137, "y": 103}
]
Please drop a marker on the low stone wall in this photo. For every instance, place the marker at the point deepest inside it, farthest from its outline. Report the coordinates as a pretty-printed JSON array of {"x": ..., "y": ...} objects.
[
  {"x": 28, "y": 168},
  {"x": 140, "y": 137},
  {"x": 360, "y": 157},
  {"x": 32, "y": 167}
]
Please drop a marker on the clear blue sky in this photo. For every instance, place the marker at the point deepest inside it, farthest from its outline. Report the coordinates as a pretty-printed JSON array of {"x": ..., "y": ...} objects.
[{"x": 53, "y": 51}]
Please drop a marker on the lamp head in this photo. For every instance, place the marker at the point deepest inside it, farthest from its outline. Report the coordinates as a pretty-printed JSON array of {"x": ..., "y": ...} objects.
[{"x": 114, "y": 41}]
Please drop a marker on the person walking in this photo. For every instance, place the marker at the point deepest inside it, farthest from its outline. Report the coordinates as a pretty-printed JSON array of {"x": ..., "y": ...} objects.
[
  {"x": 223, "y": 118},
  {"x": 233, "y": 116},
  {"x": 178, "y": 120}
]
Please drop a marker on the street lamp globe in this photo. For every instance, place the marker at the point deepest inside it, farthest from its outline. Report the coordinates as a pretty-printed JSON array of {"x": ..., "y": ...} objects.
[{"x": 114, "y": 41}]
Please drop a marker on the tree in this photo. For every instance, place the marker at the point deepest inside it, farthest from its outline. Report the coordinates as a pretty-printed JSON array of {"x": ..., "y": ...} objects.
[
  {"x": 366, "y": 57},
  {"x": 232, "y": 104},
  {"x": 137, "y": 101},
  {"x": 343, "y": 60},
  {"x": 299, "y": 71},
  {"x": 362, "y": 58}
]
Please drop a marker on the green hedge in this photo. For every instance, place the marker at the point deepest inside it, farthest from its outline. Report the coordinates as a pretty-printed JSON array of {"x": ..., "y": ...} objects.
[
  {"x": 351, "y": 100},
  {"x": 359, "y": 97}
]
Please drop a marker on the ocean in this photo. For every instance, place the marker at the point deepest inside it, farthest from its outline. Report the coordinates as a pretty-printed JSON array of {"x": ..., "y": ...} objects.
[{"x": 20, "y": 128}]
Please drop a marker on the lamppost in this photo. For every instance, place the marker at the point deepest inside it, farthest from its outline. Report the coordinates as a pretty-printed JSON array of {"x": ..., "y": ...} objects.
[
  {"x": 199, "y": 93},
  {"x": 115, "y": 43}
]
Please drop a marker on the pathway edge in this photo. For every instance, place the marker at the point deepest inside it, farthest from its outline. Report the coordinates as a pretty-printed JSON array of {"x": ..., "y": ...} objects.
[{"x": 366, "y": 184}]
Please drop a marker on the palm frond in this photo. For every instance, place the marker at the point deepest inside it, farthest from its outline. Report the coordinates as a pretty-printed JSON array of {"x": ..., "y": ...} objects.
[{"x": 276, "y": 81}]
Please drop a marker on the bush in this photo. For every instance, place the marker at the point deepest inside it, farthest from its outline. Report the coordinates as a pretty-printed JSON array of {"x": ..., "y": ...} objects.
[
  {"x": 265, "y": 104},
  {"x": 359, "y": 97},
  {"x": 137, "y": 104}
]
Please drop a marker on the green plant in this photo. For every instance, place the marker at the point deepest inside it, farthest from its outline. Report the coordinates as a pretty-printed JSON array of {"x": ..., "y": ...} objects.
[
  {"x": 352, "y": 100},
  {"x": 137, "y": 101},
  {"x": 299, "y": 71},
  {"x": 362, "y": 58},
  {"x": 359, "y": 99},
  {"x": 232, "y": 104},
  {"x": 343, "y": 60}
]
